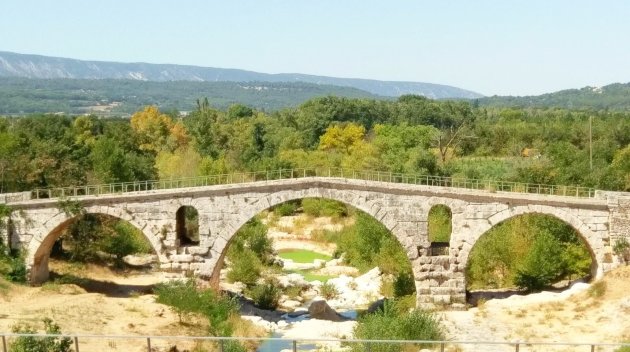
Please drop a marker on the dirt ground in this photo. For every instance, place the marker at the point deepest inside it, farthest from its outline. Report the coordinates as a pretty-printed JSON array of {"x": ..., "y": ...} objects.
[
  {"x": 596, "y": 313},
  {"x": 111, "y": 303},
  {"x": 107, "y": 303}
]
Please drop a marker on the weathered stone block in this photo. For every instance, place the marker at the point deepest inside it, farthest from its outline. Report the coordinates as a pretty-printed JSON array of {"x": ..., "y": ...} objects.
[{"x": 182, "y": 258}]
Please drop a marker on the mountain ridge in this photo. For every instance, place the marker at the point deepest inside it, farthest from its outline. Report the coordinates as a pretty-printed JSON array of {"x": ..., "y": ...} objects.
[
  {"x": 614, "y": 96},
  {"x": 45, "y": 67}
]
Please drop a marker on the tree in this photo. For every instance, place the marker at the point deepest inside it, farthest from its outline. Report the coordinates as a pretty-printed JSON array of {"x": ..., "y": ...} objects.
[
  {"x": 342, "y": 137},
  {"x": 157, "y": 131},
  {"x": 452, "y": 122},
  {"x": 238, "y": 111},
  {"x": 183, "y": 162}
]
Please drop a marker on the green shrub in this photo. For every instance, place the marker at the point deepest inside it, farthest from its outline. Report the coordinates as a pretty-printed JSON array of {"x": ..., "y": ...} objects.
[
  {"x": 542, "y": 265},
  {"x": 404, "y": 284},
  {"x": 368, "y": 244},
  {"x": 184, "y": 298},
  {"x": 328, "y": 290},
  {"x": 623, "y": 349},
  {"x": 505, "y": 250},
  {"x": 324, "y": 207},
  {"x": 598, "y": 289},
  {"x": 622, "y": 249},
  {"x": 180, "y": 296},
  {"x": 40, "y": 344},
  {"x": 286, "y": 208},
  {"x": 253, "y": 236},
  {"x": 245, "y": 266},
  {"x": 392, "y": 324},
  {"x": 120, "y": 245},
  {"x": 12, "y": 266},
  {"x": 266, "y": 295}
]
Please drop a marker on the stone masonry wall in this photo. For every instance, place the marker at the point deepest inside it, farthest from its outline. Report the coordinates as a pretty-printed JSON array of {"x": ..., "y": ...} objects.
[{"x": 403, "y": 209}]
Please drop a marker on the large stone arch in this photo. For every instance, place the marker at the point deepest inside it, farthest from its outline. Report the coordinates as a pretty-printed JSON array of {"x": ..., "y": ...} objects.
[
  {"x": 38, "y": 250},
  {"x": 592, "y": 241},
  {"x": 373, "y": 206}
]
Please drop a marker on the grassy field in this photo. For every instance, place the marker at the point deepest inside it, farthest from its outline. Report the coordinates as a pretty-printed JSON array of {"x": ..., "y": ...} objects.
[{"x": 302, "y": 255}]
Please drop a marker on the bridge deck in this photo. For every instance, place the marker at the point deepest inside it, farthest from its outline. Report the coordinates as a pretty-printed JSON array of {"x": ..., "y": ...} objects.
[{"x": 488, "y": 186}]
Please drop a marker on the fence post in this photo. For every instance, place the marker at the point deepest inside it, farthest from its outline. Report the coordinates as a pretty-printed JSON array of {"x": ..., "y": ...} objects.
[
  {"x": 368, "y": 347},
  {"x": 442, "y": 347},
  {"x": 222, "y": 345},
  {"x": 148, "y": 344},
  {"x": 517, "y": 347},
  {"x": 4, "y": 344},
  {"x": 76, "y": 343},
  {"x": 294, "y": 346},
  {"x": 592, "y": 348}
]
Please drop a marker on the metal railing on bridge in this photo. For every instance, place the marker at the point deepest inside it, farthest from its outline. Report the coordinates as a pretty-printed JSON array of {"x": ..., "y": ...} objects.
[
  {"x": 222, "y": 344},
  {"x": 246, "y": 177}
]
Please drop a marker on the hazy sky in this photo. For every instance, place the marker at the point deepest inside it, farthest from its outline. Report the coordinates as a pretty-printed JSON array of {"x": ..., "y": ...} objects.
[{"x": 492, "y": 47}]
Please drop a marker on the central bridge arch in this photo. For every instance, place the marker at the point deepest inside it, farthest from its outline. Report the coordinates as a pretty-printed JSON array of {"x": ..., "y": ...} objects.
[{"x": 376, "y": 207}]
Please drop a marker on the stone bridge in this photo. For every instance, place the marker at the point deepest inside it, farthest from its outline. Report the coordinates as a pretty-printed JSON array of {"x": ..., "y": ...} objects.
[{"x": 403, "y": 208}]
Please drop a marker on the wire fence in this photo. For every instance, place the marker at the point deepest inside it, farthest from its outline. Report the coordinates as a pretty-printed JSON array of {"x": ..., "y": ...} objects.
[
  {"x": 84, "y": 343},
  {"x": 282, "y": 174}
]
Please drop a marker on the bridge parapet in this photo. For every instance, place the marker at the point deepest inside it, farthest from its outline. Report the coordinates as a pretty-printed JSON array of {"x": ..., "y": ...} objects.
[
  {"x": 282, "y": 174},
  {"x": 15, "y": 197}
]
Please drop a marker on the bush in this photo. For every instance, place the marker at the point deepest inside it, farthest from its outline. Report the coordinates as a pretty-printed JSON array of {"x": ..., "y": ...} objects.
[
  {"x": 184, "y": 298},
  {"x": 40, "y": 344},
  {"x": 392, "y": 324},
  {"x": 286, "y": 208},
  {"x": 266, "y": 295},
  {"x": 328, "y": 291},
  {"x": 119, "y": 244},
  {"x": 543, "y": 264},
  {"x": 597, "y": 289},
  {"x": 324, "y": 207},
  {"x": 181, "y": 296},
  {"x": 12, "y": 266},
  {"x": 622, "y": 249},
  {"x": 245, "y": 266},
  {"x": 253, "y": 236},
  {"x": 404, "y": 284},
  {"x": 507, "y": 250},
  {"x": 368, "y": 243}
]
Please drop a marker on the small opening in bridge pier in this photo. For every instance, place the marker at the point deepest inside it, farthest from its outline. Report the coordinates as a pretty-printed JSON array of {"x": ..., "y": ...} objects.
[
  {"x": 187, "y": 226},
  {"x": 440, "y": 226}
]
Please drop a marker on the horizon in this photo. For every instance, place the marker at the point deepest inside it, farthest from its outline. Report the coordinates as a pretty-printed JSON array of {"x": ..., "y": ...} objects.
[
  {"x": 487, "y": 47},
  {"x": 280, "y": 73}
]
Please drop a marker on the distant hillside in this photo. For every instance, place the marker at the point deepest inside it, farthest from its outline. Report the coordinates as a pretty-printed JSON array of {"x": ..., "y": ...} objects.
[
  {"x": 123, "y": 96},
  {"x": 36, "y": 66},
  {"x": 614, "y": 97}
]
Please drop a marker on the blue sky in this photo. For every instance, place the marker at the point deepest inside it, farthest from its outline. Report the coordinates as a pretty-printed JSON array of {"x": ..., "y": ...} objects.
[{"x": 492, "y": 47}]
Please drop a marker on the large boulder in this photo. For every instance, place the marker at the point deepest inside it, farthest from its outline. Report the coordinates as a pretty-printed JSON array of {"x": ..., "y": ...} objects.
[{"x": 321, "y": 310}]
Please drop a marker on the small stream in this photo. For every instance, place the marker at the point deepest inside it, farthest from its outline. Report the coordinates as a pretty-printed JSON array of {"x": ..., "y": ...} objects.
[{"x": 278, "y": 345}]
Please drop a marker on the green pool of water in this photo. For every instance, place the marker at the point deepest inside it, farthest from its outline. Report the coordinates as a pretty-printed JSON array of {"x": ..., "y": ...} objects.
[{"x": 302, "y": 255}]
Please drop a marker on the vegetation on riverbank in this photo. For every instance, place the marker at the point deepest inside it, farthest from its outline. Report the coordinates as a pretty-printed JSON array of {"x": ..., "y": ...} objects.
[{"x": 530, "y": 251}]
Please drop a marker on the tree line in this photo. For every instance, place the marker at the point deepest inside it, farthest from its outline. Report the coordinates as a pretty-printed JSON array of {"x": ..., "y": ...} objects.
[{"x": 412, "y": 134}]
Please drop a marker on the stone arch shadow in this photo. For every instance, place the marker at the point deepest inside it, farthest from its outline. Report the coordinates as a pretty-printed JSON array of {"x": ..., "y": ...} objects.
[
  {"x": 588, "y": 237},
  {"x": 373, "y": 208},
  {"x": 40, "y": 246}
]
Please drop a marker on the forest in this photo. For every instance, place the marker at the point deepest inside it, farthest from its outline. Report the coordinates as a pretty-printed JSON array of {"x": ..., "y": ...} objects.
[{"x": 412, "y": 134}]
